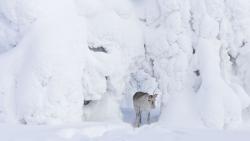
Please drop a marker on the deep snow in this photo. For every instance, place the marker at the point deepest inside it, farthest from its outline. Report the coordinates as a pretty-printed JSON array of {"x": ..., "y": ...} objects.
[
  {"x": 115, "y": 132},
  {"x": 72, "y": 67}
]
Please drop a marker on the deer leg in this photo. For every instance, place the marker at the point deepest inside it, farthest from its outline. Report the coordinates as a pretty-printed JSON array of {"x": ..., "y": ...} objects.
[
  {"x": 148, "y": 119},
  {"x": 140, "y": 117},
  {"x": 137, "y": 118}
]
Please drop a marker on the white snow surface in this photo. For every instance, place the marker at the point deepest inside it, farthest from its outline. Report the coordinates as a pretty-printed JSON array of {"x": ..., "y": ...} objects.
[
  {"x": 112, "y": 132},
  {"x": 69, "y": 69}
]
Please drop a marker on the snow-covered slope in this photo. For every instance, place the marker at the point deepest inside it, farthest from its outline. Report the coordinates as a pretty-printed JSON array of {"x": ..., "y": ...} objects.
[{"x": 78, "y": 60}]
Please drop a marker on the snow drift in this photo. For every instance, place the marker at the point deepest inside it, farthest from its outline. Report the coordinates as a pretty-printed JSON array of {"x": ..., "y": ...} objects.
[{"x": 74, "y": 60}]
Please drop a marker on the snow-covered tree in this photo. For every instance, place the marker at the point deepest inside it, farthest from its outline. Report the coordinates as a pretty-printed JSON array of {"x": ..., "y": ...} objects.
[{"x": 74, "y": 60}]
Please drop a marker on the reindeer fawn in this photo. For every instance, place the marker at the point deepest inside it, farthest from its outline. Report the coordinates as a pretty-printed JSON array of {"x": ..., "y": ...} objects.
[{"x": 143, "y": 102}]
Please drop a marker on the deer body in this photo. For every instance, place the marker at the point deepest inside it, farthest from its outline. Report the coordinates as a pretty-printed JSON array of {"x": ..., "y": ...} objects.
[{"x": 143, "y": 102}]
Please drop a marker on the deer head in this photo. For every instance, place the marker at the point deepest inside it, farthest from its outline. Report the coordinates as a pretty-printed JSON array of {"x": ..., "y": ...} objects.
[{"x": 151, "y": 100}]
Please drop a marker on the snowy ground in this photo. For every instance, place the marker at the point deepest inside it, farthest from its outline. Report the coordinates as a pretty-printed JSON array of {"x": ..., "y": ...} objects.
[
  {"x": 118, "y": 131},
  {"x": 115, "y": 132}
]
